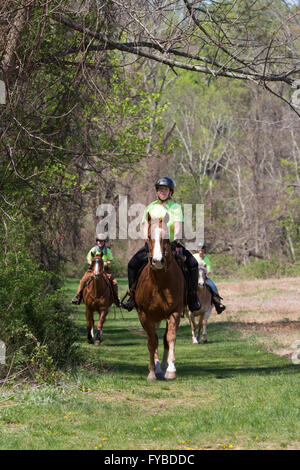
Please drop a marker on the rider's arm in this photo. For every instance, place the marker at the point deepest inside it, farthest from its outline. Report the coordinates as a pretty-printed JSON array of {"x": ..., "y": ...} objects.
[
  {"x": 89, "y": 257},
  {"x": 145, "y": 231},
  {"x": 177, "y": 230},
  {"x": 109, "y": 257}
]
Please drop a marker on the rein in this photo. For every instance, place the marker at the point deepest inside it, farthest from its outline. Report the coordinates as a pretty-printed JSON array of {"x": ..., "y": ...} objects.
[{"x": 102, "y": 275}]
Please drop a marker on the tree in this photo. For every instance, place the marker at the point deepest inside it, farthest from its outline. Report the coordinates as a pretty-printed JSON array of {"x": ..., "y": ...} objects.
[{"x": 236, "y": 39}]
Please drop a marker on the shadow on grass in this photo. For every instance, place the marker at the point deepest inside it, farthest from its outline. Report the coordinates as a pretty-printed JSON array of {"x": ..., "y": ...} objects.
[{"x": 227, "y": 355}]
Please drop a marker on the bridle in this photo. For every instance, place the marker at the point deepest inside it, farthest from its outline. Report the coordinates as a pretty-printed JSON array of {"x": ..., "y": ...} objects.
[
  {"x": 97, "y": 261},
  {"x": 100, "y": 274},
  {"x": 203, "y": 269},
  {"x": 165, "y": 251}
]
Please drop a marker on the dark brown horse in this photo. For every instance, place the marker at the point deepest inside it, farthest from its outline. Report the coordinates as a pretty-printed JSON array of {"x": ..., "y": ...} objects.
[
  {"x": 160, "y": 296},
  {"x": 97, "y": 296}
]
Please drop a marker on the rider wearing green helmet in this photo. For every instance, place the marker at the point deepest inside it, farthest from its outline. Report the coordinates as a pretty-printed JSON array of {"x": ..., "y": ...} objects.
[{"x": 164, "y": 205}]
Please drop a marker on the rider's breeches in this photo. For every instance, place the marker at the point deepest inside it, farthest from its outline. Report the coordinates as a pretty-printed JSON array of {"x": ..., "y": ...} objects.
[
  {"x": 136, "y": 263},
  {"x": 212, "y": 285},
  {"x": 192, "y": 265},
  {"x": 114, "y": 283},
  {"x": 87, "y": 275}
]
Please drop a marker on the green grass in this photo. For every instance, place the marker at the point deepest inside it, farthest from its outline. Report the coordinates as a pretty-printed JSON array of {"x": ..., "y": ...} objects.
[{"x": 227, "y": 392}]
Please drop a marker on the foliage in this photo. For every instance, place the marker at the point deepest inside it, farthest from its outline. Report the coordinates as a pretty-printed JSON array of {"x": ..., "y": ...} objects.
[
  {"x": 274, "y": 268},
  {"x": 35, "y": 323},
  {"x": 239, "y": 394}
]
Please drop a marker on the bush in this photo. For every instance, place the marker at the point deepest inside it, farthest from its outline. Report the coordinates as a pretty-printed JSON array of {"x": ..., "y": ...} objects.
[
  {"x": 118, "y": 268},
  {"x": 223, "y": 265},
  {"x": 35, "y": 321},
  {"x": 264, "y": 269}
]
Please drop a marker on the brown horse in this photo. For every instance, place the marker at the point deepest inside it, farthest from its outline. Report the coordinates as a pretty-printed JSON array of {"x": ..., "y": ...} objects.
[
  {"x": 160, "y": 296},
  {"x": 203, "y": 314},
  {"x": 97, "y": 296}
]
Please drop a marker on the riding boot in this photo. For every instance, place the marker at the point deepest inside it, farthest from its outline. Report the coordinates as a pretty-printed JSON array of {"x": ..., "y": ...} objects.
[
  {"x": 85, "y": 279},
  {"x": 193, "y": 299},
  {"x": 216, "y": 300},
  {"x": 115, "y": 291},
  {"x": 132, "y": 281},
  {"x": 135, "y": 267},
  {"x": 77, "y": 299},
  {"x": 130, "y": 304}
]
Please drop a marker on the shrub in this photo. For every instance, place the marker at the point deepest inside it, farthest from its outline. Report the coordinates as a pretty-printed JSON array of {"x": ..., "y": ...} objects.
[
  {"x": 35, "y": 322},
  {"x": 264, "y": 269}
]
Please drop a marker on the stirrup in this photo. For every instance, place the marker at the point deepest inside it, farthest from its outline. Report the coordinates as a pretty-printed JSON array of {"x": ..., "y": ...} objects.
[
  {"x": 219, "y": 308},
  {"x": 130, "y": 304}
]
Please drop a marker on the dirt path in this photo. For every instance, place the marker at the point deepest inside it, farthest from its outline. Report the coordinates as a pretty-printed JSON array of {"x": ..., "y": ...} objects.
[{"x": 269, "y": 308}]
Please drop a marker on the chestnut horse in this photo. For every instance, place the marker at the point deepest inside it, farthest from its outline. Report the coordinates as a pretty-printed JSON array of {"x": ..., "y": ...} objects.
[
  {"x": 97, "y": 296},
  {"x": 203, "y": 314},
  {"x": 160, "y": 296}
]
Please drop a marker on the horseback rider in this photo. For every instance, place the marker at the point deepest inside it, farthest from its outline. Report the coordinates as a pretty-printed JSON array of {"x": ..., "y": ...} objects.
[
  {"x": 164, "y": 204},
  {"x": 107, "y": 258},
  {"x": 201, "y": 257}
]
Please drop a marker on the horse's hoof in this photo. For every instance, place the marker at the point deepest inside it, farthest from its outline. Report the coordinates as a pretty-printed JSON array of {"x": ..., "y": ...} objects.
[
  {"x": 151, "y": 376},
  {"x": 170, "y": 375},
  {"x": 91, "y": 341}
]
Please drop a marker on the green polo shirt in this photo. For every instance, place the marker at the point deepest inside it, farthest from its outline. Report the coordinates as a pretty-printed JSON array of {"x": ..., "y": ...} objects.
[
  {"x": 157, "y": 210},
  {"x": 206, "y": 261},
  {"x": 107, "y": 254}
]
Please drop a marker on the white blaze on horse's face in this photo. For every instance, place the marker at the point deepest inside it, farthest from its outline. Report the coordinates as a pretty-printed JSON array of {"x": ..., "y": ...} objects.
[
  {"x": 97, "y": 268},
  {"x": 157, "y": 259},
  {"x": 201, "y": 275}
]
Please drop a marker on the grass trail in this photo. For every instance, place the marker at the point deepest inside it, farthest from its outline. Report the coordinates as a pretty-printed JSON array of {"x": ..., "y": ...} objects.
[{"x": 230, "y": 393}]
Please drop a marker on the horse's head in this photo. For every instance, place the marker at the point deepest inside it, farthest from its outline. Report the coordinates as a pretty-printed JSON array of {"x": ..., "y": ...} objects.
[
  {"x": 202, "y": 273},
  {"x": 159, "y": 242},
  {"x": 97, "y": 266}
]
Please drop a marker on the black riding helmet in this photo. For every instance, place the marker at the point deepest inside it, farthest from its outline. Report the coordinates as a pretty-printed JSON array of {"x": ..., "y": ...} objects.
[
  {"x": 201, "y": 245},
  {"x": 165, "y": 181}
]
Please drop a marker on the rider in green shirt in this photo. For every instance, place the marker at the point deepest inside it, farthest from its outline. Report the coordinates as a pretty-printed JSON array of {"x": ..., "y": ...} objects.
[
  {"x": 201, "y": 257},
  {"x": 159, "y": 208},
  {"x": 96, "y": 250},
  {"x": 107, "y": 258}
]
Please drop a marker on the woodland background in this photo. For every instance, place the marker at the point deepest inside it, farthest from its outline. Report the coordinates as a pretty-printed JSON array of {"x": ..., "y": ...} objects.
[{"x": 103, "y": 97}]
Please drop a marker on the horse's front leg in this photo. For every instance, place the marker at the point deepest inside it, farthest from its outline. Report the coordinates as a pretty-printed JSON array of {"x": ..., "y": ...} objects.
[
  {"x": 99, "y": 335},
  {"x": 89, "y": 325},
  {"x": 150, "y": 329},
  {"x": 169, "y": 346},
  {"x": 200, "y": 327},
  {"x": 204, "y": 332},
  {"x": 193, "y": 327}
]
